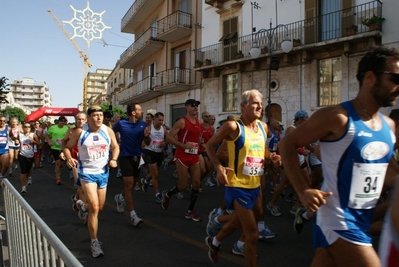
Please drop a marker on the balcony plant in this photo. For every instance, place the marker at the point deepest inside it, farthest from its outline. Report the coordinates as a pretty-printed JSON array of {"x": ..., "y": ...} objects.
[
  {"x": 208, "y": 61},
  {"x": 239, "y": 54},
  {"x": 351, "y": 30},
  {"x": 264, "y": 50},
  {"x": 198, "y": 63},
  {"x": 296, "y": 42},
  {"x": 374, "y": 22}
]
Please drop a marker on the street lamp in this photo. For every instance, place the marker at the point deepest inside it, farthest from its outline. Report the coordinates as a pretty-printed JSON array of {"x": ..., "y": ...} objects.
[{"x": 286, "y": 46}]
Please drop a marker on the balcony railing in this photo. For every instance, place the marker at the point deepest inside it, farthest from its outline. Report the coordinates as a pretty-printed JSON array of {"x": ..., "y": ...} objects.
[
  {"x": 174, "y": 26},
  {"x": 137, "y": 13},
  {"x": 171, "y": 80},
  {"x": 327, "y": 27},
  {"x": 147, "y": 39}
]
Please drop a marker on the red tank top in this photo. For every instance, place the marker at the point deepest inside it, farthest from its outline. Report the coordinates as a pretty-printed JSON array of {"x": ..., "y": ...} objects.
[
  {"x": 206, "y": 134},
  {"x": 190, "y": 133}
]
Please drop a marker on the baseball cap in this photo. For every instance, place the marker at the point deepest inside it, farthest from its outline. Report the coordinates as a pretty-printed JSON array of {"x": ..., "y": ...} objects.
[
  {"x": 192, "y": 102},
  {"x": 62, "y": 118},
  {"x": 301, "y": 114}
]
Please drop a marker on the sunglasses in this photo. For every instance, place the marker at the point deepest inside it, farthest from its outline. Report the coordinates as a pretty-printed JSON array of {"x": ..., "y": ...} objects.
[
  {"x": 26, "y": 126},
  {"x": 194, "y": 105},
  {"x": 393, "y": 76}
]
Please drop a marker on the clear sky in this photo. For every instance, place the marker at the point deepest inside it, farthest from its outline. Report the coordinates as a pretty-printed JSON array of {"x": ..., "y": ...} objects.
[{"x": 33, "y": 45}]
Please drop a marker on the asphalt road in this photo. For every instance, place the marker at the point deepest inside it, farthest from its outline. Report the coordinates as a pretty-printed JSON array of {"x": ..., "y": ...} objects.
[{"x": 165, "y": 238}]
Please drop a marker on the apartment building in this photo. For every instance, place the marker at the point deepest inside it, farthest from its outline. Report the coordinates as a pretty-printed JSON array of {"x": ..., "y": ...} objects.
[
  {"x": 116, "y": 83},
  {"x": 97, "y": 86},
  {"x": 159, "y": 65},
  {"x": 30, "y": 94},
  {"x": 326, "y": 38}
]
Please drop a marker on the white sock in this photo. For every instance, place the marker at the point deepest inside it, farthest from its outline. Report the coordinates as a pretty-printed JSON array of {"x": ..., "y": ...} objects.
[
  {"x": 215, "y": 242},
  {"x": 240, "y": 243},
  {"x": 133, "y": 213},
  {"x": 94, "y": 240},
  {"x": 261, "y": 225}
]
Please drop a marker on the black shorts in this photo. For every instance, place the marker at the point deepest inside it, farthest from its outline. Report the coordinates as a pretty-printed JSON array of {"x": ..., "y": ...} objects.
[
  {"x": 151, "y": 157},
  {"x": 56, "y": 154},
  {"x": 130, "y": 166},
  {"x": 25, "y": 164}
]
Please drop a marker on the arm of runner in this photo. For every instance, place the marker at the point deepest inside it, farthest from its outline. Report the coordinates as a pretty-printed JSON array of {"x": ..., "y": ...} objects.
[
  {"x": 147, "y": 132},
  {"x": 73, "y": 140},
  {"x": 113, "y": 163},
  {"x": 229, "y": 131},
  {"x": 171, "y": 136}
]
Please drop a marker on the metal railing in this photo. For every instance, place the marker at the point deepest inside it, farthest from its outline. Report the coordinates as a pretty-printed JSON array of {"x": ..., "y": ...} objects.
[
  {"x": 30, "y": 241},
  {"x": 163, "y": 78},
  {"x": 330, "y": 26},
  {"x": 177, "y": 18}
]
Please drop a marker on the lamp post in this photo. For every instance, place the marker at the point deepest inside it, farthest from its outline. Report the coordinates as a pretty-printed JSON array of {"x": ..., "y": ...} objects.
[{"x": 286, "y": 46}]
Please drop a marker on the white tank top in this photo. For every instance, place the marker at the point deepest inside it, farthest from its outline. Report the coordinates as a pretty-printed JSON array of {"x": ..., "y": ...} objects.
[
  {"x": 93, "y": 149},
  {"x": 157, "y": 137},
  {"x": 27, "y": 145}
]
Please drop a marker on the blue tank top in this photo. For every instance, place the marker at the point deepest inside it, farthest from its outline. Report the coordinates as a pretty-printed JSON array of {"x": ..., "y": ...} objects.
[
  {"x": 4, "y": 141},
  {"x": 354, "y": 168}
]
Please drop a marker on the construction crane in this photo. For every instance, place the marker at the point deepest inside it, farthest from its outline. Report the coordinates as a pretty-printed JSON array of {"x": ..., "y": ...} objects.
[{"x": 86, "y": 62}]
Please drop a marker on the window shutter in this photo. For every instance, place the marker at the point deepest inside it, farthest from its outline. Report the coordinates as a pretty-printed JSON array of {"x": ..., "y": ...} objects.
[
  {"x": 310, "y": 21},
  {"x": 348, "y": 15}
]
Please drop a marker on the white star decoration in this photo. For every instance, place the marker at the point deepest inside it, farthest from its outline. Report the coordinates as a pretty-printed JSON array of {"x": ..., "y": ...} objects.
[{"x": 87, "y": 24}]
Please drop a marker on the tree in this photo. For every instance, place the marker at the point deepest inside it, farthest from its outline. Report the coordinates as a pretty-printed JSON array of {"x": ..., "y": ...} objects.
[
  {"x": 14, "y": 113},
  {"x": 108, "y": 107},
  {"x": 4, "y": 90}
]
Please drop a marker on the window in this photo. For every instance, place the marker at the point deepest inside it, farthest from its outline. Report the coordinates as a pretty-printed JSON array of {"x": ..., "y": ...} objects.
[
  {"x": 230, "y": 92},
  {"x": 330, "y": 82},
  {"x": 229, "y": 38}
]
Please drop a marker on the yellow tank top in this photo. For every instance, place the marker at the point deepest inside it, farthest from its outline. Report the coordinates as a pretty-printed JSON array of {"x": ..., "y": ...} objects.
[{"x": 246, "y": 156}]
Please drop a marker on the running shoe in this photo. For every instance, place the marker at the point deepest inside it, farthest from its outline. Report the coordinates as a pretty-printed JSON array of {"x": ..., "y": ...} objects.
[
  {"x": 266, "y": 233},
  {"x": 209, "y": 182},
  {"x": 30, "y": 181},
  {"x": 58, "y": 181},
  {"x": 192, "y": 215},
  {"x": 299, "y": 221},
  {"x": 10, "y": 172},
  {"x": 180, "y": 195},
  {"x": 158, "y": 198},
  {"x": 150, "y": 183},
  {"x": 274, "y": 210},
  {"x": 293, "y": 210},
  {"x": 96, "y": 250},
  {"x": 290, "y": 199},
  {"x": 213, "y": 252},
  {"x": 165, "y": 200},
  {"x": 74, "y": 206},
  {"x": 237, "y": 250},
  {"x": 82, "y": 214},
  {"x": 213, "y": 228},
  {"x": 23, "y": 190},
  {"x": 137, "y": 187},
  {"x": 120, "y": 205},
  {"x": 136, "y": 220},
  {"x": 144, "y": 185}
]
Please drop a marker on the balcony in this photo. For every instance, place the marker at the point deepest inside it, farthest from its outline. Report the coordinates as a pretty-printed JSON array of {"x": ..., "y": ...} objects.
[
  {"x": 216, "y": 3},
  {"x": 137, "y": 13},
  {"x": 175, "y": 26},
  {"x": 308, "y": 35},
  {"x": 165, "y": 82},
  {"x": 145, "y": 45}
]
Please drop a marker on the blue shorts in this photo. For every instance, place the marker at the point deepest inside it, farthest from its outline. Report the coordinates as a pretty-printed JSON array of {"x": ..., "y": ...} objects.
[
  {"x": 324, "y": 237},
  {"x": 100, "y": 179},
  {"x": 245, "y": 197}
]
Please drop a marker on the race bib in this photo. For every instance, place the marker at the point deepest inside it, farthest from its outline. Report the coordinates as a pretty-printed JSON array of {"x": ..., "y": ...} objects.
[
  {"x": 156, "y": 144},
  {"x": 367, "y": 183},
  {"x": 27, "y": 146},
  {"x": 253, "y": 166},
  {"x": 97, "y": 152},
  {"x": 193, "y": 150},
  {"x": 3, "y": 140},
  {"x": 58, "y": 142}
]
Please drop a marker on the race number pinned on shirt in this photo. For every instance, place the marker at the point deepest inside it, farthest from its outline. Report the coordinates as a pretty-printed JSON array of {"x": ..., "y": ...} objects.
[
  {"x": 156, "y": 144},
  {"x": 193, "y": 150},
  {"x": 367, "y": 183},
  {"x": 3, "y": 140},
  {"x": 97, "y": 152},
  {"x": 253, "y": 166},
  {"x": 58, "y": 142}
]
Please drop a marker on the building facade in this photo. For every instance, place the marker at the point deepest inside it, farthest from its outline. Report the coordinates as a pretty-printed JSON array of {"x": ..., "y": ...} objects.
[
  {"x": 97, "y": 86},
  {"x": 30, "y": 94},
  {"x": 328, "y": 36},
  {"x": 159, "y": 65}
]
